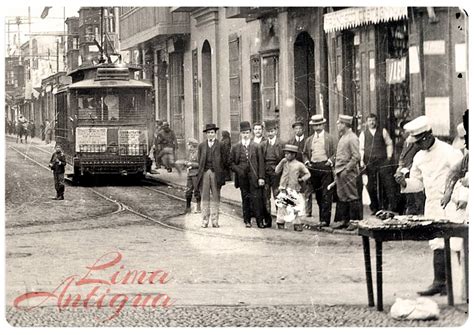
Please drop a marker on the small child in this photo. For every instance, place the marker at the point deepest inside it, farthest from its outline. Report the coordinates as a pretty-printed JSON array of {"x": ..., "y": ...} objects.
[
  {"x": 192, "y": 166},
  {"x": 290, "y": 200},
  {"x": 57, "y": 164}
]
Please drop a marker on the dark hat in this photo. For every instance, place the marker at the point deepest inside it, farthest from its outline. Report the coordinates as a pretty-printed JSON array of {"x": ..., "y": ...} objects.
[
  {"x": 291, "y": 148},
  {"x": 210, "y": 126},
  {"x": 297, "y": 123},
  {"x": 270, "y": 124},
  {"x": 245, "y": 125}
]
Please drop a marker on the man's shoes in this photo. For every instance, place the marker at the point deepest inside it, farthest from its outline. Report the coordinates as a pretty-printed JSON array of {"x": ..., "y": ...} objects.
[
  {"x": 248, "y": 225},
  {"x": 204, "y": 225},
  {"x": 187, "y": 210},
  {"x": 434, "y": 289},
  {"x": 260, "y": 225},
  {"x": 339, "y": 224},
  {"x": 281, "y": 225},
  {"x": 169, "y": 170},
  {"x": 215, "y": 225},
  {"x": 322, "y": 224},
  {"x": 298, "y": 227}
]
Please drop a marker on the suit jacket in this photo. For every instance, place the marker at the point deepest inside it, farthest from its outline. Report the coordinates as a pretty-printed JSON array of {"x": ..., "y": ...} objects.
[
  {"x": 330, "y": 146},
  {"x": 279, "y": 148},
  {"x": 257, "y": 166},
  {"x": 219, "y": 158}
]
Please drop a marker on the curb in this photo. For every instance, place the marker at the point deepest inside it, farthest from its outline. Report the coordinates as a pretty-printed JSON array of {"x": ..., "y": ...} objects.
[{"x": 312, "y": 227}]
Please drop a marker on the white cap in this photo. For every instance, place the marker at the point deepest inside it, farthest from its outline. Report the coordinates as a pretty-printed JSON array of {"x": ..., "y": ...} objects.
[{"x": 417, "y": 127}]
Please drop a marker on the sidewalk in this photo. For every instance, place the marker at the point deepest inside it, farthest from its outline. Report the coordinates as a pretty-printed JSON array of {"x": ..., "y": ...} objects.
[{"x": 231, "y": 196}]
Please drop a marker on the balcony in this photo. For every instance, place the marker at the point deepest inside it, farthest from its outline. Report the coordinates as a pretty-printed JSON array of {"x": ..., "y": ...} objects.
[
  {"x": 249, "y": 13},
  {"x": 141, "y": 24}
]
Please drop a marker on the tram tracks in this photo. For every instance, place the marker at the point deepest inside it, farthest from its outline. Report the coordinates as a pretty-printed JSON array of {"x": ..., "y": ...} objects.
[{"x": 122, "y": 207}]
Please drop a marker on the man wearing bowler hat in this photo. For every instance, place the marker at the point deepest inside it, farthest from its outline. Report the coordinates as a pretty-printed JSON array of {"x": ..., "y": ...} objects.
[
  {"x": 347, "y": 171},
  {"x": 211, "y": 175},
  {"x": 272, "y": 151},
  {"x": 319, "y": 156},
  {"x": 246, "y": 161},
  {"x": 429, "y": 171}
]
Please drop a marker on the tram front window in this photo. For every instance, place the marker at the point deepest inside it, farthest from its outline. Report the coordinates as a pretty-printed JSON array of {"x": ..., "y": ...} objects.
[{"x": 111, "y": 106}]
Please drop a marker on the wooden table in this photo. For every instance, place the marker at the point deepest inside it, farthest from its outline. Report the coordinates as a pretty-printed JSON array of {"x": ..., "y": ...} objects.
[{"x": 419, "y": 233}]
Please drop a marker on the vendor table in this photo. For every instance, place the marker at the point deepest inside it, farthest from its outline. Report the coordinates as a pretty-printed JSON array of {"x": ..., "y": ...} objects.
[{"x": 417, "y": 233}]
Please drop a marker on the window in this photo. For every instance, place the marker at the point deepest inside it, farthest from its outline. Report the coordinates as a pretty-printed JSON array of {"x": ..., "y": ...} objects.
[{"x": 270, "y": 84}]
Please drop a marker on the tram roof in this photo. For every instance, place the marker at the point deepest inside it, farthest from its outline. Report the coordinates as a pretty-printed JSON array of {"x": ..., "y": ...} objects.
[{"x": 92, "y": 83}]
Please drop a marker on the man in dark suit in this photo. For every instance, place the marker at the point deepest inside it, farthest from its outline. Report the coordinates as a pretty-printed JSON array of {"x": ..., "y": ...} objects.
[
  {"x": 246, "y": 161},
  {"x": 319, "y": 155},
  {"x": 272, "y": 151},
  {"x": 211, "y": 175}
]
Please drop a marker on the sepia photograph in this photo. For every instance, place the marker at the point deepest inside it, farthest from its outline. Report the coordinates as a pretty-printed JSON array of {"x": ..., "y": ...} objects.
[{"x": 235, "y": 166}]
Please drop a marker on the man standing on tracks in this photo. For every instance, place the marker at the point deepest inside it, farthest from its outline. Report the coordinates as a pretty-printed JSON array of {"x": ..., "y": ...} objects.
[
  {"x": 347, "y": 171},
  {"x": 211, "y": 175},
  {"x": 319, "y": 156},
  {"x": 57, "y": 164},
  {"x": 246, "y": 161}
]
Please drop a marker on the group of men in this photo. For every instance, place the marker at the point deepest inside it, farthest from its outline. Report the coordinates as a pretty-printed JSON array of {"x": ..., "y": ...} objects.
[
  {"x": 23, "y": 128},
  {"x": 254, "y": 160}
]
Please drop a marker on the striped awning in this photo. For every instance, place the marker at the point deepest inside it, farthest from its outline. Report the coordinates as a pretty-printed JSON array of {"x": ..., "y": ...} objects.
[{"x": 357, "y": 16}]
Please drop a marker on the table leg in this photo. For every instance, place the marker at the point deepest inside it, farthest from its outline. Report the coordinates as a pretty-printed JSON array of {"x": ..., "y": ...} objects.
[
  {"x": 466, "y": 265},
  {"x": 449, "y": 277},
  {"x": 378, "y": 265},
  {"x": 368, "y": 270}
]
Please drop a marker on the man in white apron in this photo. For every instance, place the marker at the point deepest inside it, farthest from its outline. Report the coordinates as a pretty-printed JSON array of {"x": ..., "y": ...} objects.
[{"x": 430, "y": 169}]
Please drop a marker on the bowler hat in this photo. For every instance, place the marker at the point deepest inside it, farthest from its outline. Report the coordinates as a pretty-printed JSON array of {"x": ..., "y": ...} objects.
[
  {"x": 291, "y": 148},
  {"x": 317, "y": 119},
  {"x": 210, "y": 126},
  {"x": 245, "y": 125}
]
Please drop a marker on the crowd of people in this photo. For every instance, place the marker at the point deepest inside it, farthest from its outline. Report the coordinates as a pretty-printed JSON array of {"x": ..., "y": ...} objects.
[
  {"x": 23, "y": 129},
  {"x": 330, "y": 166}
]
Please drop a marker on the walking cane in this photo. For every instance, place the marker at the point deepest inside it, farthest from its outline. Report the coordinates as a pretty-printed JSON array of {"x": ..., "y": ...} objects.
[{"x": 330, "y": 186}]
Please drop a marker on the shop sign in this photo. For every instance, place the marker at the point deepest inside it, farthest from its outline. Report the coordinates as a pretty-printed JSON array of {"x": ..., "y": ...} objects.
[
  {"x": 396, "y": 70},
  {"x": 437, "y": 109},
  {"x": 357, "y": 16}
]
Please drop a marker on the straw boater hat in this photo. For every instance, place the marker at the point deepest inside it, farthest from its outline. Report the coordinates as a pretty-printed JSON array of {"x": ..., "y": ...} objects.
[
  {"x": 317, "y": 120},
  {"x": 210, "y": 126},
  {"x": 346, "y": 119},
  {"x": 245, "y": 125},
  {"x": 290, "y": 148},
  {"x": 192, "y": 141},
  {"x": 417, "y": 128}
]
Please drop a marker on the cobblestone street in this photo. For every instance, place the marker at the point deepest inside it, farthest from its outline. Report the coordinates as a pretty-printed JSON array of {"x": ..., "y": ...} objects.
[{"x": 231, "y": 276}]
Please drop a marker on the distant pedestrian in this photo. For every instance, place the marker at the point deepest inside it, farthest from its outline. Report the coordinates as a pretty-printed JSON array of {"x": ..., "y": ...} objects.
[
  {"x": 42, "y": 131},
  {"x": 226, "y": 145},
  {"x": 347, "y": 172},
  {"x": 22, "y": 129},
  {"x": 272, "y": 151},
  {"x": 57, "y": 164},
  {"x": 48, "y": 131},
  {"x": 211, "y": 176},
  {"x": 376, "y": 151},
  {"x": 290, "y": 201},
  {"x": 246, "y": 161},
  {"x": 319, "y": 156},
  {"x": 192, "y": 166},
  {"x": 156, "y": 146}
]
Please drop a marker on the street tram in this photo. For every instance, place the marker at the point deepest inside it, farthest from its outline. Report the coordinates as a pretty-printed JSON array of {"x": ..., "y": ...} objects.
[{"x": 104, "y": 121}]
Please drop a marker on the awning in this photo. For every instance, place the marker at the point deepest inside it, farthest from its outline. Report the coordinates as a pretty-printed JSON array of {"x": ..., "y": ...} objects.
[{"x": 358, "y": 16}]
